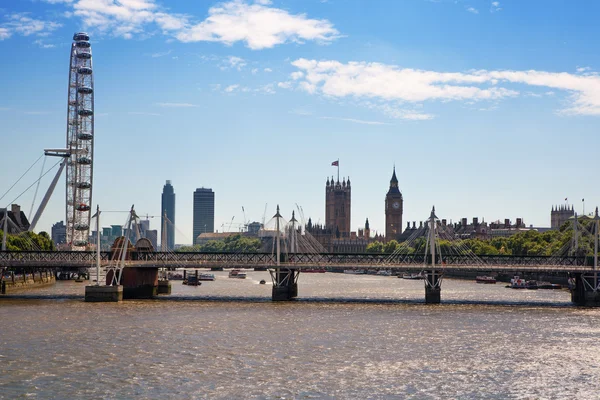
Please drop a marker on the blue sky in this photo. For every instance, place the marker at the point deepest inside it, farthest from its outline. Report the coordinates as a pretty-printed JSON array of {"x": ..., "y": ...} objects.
[{"x": 487, "y": 109}]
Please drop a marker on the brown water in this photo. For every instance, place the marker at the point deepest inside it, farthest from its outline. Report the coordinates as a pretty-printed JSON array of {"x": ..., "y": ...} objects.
[{"x": 347, "y": 337}]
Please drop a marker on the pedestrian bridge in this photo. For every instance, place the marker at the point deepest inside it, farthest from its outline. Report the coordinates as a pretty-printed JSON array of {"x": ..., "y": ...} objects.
[{"x": 296, "y": 261}]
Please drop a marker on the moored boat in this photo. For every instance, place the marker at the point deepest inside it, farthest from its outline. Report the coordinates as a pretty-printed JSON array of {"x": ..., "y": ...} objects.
[
  {"x": 485, "y": 279},
  {"x": 355, "y": 271},
  {"x": 384, "y": 272},
  {"x": 206, "y": 277},
  {"x": 236, "y": 273},
  {"x": 517, "y": 283},
  {"x": 420, "y": 275}
]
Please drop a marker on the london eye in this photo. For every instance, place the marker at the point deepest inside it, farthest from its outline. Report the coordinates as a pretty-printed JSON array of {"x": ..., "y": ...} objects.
[{"x": 80, "y": 143}]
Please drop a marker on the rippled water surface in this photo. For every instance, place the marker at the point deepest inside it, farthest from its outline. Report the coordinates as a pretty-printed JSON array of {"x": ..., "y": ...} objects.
[{"x": 345, "y": 337}]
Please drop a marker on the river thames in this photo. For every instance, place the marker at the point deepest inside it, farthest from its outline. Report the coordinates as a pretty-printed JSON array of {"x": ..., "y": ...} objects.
[{"x": 346, "y": 337}]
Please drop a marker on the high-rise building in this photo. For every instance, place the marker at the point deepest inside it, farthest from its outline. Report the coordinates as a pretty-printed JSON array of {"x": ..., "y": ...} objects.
[
  {"x": 168, "y": 208},
  {"x": 204, "y": 212},
  {"x": 393, "y": 210},
  {"x": 337, "y": 207},
  {"x": 59, "y": 233}
]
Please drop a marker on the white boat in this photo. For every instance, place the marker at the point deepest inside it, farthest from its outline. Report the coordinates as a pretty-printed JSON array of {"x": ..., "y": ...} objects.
[
  {"x": 420, "y": 275},
  {"x": 236, "y": 273},
  {"x": 384, "y": 272},
  {"x": 355, "y": 271},
  {"x": 517, "y": 283}
]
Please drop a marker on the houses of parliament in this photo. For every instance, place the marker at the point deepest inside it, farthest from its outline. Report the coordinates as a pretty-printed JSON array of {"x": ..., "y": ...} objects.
[{"x": 336, "y": 234}]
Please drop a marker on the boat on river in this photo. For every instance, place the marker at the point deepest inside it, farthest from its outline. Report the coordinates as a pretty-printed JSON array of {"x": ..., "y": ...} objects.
[
  {"x": 355, "y": 271},
  {"x": 206, "y": 277},
  {"x": 420, "y": 275},
  {"x": 236, "y": 273},
  {"x": 517, "y": 283},
  {"x": 485, "y": 279}
]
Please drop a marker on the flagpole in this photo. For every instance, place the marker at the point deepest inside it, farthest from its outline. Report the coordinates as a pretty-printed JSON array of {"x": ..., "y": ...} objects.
[
  {"x": 583, "y": 202},
  {"x": 338, "y": 168}
]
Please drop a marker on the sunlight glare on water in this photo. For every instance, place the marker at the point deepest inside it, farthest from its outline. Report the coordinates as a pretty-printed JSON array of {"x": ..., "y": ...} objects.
[{"x": 345, "y": 337}]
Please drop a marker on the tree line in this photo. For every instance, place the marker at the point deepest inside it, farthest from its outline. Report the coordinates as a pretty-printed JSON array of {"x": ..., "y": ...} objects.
[{"x": 526, "y": 243}]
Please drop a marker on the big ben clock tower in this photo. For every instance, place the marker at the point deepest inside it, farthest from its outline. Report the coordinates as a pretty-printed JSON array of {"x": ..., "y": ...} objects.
[{"x": 393, "y": 210}]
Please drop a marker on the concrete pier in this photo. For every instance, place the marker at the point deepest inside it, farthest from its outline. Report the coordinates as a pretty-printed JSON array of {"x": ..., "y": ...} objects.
[
  {"x": 104, "y": 294},
  {"x": 285, "y": 286},
  {"x": 582, "y": 292},
  {"x": 164, "y": 287},
  {"x": 433, "y": 287}
]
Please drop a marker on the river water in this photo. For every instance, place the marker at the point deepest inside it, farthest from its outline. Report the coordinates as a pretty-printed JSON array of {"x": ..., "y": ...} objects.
[{"x": 346, "y": 337}]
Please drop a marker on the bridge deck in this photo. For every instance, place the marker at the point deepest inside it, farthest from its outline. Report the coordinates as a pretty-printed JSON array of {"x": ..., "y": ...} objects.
[{"x": 299, "y": 261}]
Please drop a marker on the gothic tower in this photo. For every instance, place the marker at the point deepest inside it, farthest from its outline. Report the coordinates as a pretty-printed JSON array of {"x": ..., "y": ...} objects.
[
  {"x": 337, "y": 207},
  {"x": 393, "y": 210}
]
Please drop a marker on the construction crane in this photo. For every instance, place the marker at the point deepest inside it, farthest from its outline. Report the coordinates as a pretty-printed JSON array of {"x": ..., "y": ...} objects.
[
  {"x": 264, "y": 215},
  {"x": 245, "y": 222},
  {"x": 231, "y": 223}
]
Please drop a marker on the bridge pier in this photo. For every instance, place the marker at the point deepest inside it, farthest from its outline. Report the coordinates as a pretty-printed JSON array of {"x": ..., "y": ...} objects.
[
  {"x": 103, "y": 294},
  {"x": 285, "y": 284},
  {"x": 433, "y": 286},
  {"x": 164, "y": 286},
  {"x": 585, "y": 290}
]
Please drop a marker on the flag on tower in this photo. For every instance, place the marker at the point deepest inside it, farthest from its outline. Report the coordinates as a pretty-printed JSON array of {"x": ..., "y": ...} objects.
[{"x": 335, "y": 163}]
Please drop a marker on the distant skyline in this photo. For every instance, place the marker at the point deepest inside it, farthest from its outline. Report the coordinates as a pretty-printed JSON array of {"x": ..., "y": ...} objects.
[{"x": 488, "y": 109}]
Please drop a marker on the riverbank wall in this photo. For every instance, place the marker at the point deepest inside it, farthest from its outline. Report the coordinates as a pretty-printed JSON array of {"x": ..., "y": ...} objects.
[{"x": 18, "y": 282}]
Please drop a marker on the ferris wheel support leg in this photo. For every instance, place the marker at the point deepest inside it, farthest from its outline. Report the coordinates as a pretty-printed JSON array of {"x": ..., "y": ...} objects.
[{"x": 47, "y": 196}]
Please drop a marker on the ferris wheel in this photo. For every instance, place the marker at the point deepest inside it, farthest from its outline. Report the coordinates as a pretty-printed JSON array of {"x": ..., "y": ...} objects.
[{"x": 80, "y": 143}]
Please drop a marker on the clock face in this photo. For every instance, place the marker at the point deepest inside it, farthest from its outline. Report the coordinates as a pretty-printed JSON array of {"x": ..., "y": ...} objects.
[{"x": 396, "y": 205}]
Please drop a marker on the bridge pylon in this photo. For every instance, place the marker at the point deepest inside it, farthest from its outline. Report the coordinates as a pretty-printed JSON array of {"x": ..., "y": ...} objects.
[
  {"x": 285, "y": 280},
  {"x": 433, "y": 272}
]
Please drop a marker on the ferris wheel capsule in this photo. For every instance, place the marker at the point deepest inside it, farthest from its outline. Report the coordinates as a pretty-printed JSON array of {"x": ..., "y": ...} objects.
[
  {"x": 84, "y": 55},
  {"x": 84, "y": 71},
  {"x": 81, "y": 36},
  {"x": 85, "y": 90},
  {"x": 83, "y": 45}
]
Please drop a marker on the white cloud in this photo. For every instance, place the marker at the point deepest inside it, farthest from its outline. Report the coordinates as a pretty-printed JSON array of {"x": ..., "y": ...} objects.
[
  {"x": 4, "y": 33},
  {"x": 22, "y": 24},
  {"x": 268, "y": 89},
  {"x": 357, "y": 121},
  {"x": 583, "y": 69},
  {"x": 257, "y": 24},
  {"x": 268, "y": 70},
  {"x": 176, "y": 105},
  {"x": 389, "y": 84},
  {"x": 495, "y": 7},
  {"x": 231, "y": 88},
  {"x": 285, "y": 85},
  {"x": 44, "y": 45},
  {"x": 233, "y": 62},
  {"x": 473, "y": 10},
  {"x": 160, "y": 54},
  {"x": 254, "y": 71}
]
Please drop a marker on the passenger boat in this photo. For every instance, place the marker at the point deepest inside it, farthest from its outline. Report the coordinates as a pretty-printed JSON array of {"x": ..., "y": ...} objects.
[
  {"x": 517, "y": 283},
  {"x": 485, "y": 279},
  {"x": 384, "y": 272},
  {"x": 355, "y": 271},
  {"x": 420, "y": 275},
  {"x": 236, "y": 273},
  {"x": 206, "y": 277}
]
